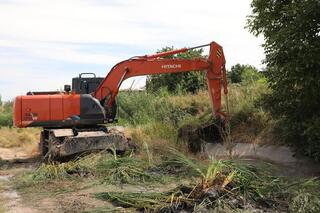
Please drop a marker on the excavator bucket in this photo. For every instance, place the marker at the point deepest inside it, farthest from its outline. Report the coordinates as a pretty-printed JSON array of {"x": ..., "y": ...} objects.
[{"x": 197, "y": 135}]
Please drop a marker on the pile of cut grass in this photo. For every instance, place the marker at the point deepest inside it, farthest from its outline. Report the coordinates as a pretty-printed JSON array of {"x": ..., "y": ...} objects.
[
  {"x": 224, "y": 185},
  {"x": 125, "y": 170},
  {"x": 105, "y": 167}
]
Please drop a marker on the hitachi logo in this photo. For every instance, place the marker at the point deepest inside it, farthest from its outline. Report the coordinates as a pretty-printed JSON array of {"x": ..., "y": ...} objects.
[{"x": 171, "y": 66}]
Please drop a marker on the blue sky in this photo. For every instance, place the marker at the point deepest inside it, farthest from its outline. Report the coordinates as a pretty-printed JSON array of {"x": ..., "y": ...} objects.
[{"x": 43, "y": 43}]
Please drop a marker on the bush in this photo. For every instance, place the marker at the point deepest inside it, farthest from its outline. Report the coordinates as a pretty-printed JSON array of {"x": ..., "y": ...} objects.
[
  {"x": 6, "y": 113},
  {"x": 6, "y": 119},
  {"x": 244, "y": 74}
]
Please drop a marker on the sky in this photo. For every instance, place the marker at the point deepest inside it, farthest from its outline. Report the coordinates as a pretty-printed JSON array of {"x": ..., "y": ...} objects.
[{"x": 44, "y": 43}]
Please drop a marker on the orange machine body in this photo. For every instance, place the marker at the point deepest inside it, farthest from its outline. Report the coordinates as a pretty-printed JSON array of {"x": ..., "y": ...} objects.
[{"x": 48, "y": 110}]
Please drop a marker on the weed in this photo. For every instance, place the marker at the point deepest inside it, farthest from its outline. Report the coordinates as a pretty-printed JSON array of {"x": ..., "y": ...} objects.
[
  {"x": 305, "y": 196},
  {"x": 124, "y": 170}
]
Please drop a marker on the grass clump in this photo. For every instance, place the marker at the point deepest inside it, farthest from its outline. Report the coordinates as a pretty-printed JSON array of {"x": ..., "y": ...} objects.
[
  {"x": 53, "y": 171},
  {"x": 122, "y": 170},
  {"x": 305, "y": 196}
]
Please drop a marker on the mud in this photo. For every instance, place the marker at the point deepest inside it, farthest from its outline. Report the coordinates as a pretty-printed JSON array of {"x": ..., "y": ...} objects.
[
  {"x": 10, "y": 198},
  {"x": 282, "y": 158}
]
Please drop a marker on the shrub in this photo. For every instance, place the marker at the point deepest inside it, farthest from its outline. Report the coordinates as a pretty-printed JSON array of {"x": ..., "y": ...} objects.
[
  {"x": 244, "y": 74},
  {"x": 6, "y": 113}
]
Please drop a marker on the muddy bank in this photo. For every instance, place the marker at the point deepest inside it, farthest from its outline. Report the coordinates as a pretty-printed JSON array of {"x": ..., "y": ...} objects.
[{"x": 281, "y": 157}]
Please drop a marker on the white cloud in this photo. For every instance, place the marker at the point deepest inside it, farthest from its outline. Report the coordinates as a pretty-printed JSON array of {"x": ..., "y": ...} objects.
[{"x": 56, "y": 30}]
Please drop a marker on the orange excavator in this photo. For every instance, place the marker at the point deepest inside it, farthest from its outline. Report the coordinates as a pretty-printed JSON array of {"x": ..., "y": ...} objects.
[{"x": 73, "y": 120}]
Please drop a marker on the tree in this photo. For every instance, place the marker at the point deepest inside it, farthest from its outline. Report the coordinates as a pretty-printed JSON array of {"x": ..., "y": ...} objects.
[
  {"x": 292, "y": 48},
  {"x": 244, "y": 73},
  {"x": 178, "y": 82}
]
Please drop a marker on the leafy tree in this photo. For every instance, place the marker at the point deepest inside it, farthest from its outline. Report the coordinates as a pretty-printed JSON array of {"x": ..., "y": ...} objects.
[
  {"x": 178, "y": 82},
  {"x": 244, "y": 73},
  {"x": 292, "y": 48},
  {"x": 235, "y": 73}
]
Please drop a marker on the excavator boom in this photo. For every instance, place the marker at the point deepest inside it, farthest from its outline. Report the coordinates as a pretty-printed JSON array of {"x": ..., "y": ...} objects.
[{"x": 214, "y": 66}]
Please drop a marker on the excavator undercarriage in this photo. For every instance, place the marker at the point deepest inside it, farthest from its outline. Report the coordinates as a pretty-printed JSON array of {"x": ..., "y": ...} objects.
[{"x": 63, "y": 143}]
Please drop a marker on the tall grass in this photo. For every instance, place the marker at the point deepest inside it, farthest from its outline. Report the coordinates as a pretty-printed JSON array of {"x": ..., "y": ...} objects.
[
  {"x": 139, "y": 108},
  {"x": 157, "y": 117}
]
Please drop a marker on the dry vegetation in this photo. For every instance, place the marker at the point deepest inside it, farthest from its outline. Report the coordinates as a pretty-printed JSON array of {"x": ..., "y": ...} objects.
[{"x": 26, "y": 138}]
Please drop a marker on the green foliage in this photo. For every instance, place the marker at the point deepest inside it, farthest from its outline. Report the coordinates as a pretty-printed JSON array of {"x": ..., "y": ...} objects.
[
  {"x": 178, "y": 82},
  {"x": 240, "y": 73},
  {"x": 138, "y": 108},
  {"x": 292, "y": 47},
  {"x": 6, "y": 119},
  {"x": 251, "y": 75},
  {"x": 235, "y": 73},
  {"x": 6, "y": 113}
]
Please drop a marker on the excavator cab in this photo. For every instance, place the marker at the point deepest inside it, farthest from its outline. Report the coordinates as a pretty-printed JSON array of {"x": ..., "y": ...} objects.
[{"x": 85, "y": 85}]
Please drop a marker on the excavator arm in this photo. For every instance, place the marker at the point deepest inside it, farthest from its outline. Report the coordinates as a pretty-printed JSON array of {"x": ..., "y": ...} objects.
[{"x": 214, "y": 66}]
